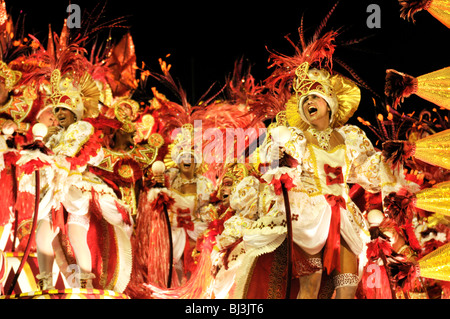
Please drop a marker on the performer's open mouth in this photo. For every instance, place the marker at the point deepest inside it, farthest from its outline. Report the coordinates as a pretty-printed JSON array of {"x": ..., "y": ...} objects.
[
  {"x": 312, "y": 110},
  {"x": 186, "y": 165},
  {"x": 61, "y": 119}
]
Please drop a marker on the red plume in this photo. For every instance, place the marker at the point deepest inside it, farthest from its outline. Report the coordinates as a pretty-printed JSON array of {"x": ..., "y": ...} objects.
[
  {"x": 398, "y": 86},
  {"x": 411, "y": 7}
]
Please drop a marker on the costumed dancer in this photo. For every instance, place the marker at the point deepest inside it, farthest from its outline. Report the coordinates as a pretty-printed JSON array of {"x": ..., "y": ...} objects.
[
  {"x": 191, "y": 193},
  {"x": 181, "y": 193},
  {"x": 323, "y": 155},
  {"x": 8, "y": 80},
  {"x": 130, "y": 147},
  {"x": 69, "y": 188}
]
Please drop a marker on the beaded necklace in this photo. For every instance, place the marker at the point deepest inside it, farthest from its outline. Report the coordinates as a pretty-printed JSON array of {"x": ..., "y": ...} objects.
[{"x": 322, "y": 137}]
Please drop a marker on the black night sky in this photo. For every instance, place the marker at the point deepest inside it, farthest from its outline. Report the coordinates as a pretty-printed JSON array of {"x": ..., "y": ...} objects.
[{"x": 204, "y": 39}]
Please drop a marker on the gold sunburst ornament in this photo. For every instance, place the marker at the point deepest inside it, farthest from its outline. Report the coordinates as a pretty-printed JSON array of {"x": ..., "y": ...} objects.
[
  {"x": 342, "y": 95},
  {"x": 81, "y": 98}
]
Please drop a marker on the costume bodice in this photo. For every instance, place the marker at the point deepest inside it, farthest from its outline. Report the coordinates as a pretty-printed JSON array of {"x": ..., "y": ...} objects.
[{"x": 325, "y": 172}]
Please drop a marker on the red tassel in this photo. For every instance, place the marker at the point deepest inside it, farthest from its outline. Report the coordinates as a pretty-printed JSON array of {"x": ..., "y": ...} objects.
[
  {"x": 411, "y": 237},
  {"x": 285, "y": 180},
  {"x": 33, "y": 165},
  {"x": 58, "y": 219},
  {"x": 376, "y": 246}
]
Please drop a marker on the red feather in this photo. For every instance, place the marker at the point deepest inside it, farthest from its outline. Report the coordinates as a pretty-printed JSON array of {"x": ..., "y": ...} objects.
[
  {"x": 398, "y": 86},
  {"x": 411, "y": 7}
]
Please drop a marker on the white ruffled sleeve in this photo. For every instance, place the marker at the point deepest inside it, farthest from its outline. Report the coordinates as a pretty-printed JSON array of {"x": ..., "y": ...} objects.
[
  {"x": 73, "y": 140},
  {"x": 244, "y": 200},
  {"x": 368, "y": 168}
]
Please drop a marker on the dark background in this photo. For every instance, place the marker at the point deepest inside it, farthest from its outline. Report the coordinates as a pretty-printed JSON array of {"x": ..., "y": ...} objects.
[{"x": 204, "y": 39}]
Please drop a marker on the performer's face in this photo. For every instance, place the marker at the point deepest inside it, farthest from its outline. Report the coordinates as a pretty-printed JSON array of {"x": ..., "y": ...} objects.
[
  {"x": 225, "y": 190},
  {"x": 187, "y": 164},
  {"x": 65, "y": 117},
  {"x": 315, "y": 109},
  {"x": 48, "y": 118}
]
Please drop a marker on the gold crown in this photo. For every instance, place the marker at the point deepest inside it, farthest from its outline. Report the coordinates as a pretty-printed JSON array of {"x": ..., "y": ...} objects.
[
  {"x": 311, "y": 80},
  {"x": 342, "y": 95},
  {"x": 64, "y": 94}
]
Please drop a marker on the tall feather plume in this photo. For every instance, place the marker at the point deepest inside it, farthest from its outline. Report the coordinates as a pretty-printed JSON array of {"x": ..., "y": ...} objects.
[
  {"x": 262, "y": 103},
  {"x": 71, "y": 58},
  {"x": 12, "y": 40},
  {"x": 317, "y": 53},
  {"x": 324, "y": 22},
  {"x": 173, "y": 114},
  {"x": 234, "y": 117}
]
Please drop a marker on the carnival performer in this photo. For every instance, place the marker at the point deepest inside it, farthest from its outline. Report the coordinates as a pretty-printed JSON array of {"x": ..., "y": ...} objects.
[
  {"x": 20, "y": 104},
  {"x": 328, "y": 155},
  {"x": 69, "y": 187},
  {"x": 248, "y": 198},
  {"x": 191, "y": 193},
  {"x": 8, "y": 80},
  {"x": 130, "y": 147}
]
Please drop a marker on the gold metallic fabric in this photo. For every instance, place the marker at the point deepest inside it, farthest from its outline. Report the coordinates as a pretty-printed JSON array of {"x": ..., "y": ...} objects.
[
  {"x": 434, "y": 149},
  {"x": 435, "y": 199},
  {"x": 436, "y": 265},
  {"x": 440, "y": 9},
  {"x": 435, "y": 87}
]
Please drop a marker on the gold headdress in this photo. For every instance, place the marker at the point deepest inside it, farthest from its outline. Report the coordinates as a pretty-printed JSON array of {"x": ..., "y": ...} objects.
[
  {"x": 236, "y": 172},
  {"x": 342, "y": 95},
  {"x": 126, "y": 111},
  {"x": 80, "y": 98},
  {"x": 182, "y": 144},
  {"x": 11, "y": 77}
]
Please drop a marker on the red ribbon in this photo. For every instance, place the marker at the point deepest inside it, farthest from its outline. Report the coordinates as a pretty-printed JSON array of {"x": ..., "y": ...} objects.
[
  {"x": 331, "y": 259},
  {"x": 184, "y": 219},
  {"x": 285, "y": 180},
  {"x": 337, "y": 171},
  {"x": 58, "y": 219}
]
